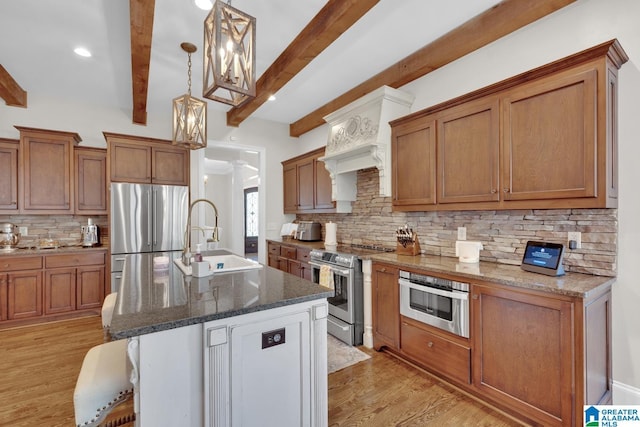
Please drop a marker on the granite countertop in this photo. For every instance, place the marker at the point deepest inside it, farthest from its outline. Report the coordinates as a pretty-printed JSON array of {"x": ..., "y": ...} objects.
[
  {"x": 157, "y": 300},
  {"x": 571, "y": 284},
  {"x": 21, "y": 251}
]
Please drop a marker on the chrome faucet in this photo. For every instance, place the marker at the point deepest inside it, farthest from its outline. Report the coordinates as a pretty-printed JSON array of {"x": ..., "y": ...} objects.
[{"x": 186, "y": 254}]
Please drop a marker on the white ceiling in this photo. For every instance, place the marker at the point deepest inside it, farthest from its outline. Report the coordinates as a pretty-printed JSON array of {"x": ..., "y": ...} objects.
[{"x": 37, "y": 39}]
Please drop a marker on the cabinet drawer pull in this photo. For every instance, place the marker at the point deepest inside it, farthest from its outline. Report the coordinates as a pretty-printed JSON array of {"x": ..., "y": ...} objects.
[
  {"x": 383, "y": 270},
  {"x": 506, "y": 190},
  {"x": 430, "y": 344}
]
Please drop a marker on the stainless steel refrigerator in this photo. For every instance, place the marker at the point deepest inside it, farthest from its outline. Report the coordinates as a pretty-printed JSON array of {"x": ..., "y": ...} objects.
[{"x": 146, "y": 220}]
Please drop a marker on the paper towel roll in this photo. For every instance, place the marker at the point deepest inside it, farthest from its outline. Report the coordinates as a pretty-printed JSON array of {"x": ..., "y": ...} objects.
[{"x": 330, "y": 230}]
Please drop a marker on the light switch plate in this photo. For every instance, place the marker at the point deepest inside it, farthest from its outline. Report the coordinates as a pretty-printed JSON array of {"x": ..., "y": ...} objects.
[
  {"x": 24, "y": 231},
  {"x": 576, "y": 236},
  {"x": 462, "y": 233}
]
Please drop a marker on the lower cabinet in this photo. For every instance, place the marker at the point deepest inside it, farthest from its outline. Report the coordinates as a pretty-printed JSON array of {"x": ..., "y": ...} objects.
[
  {"x": 290, "y": 259},
  {"x": 539, "y": 356},
  {"x": 385, "y": 295},
  {"x": 38, "y": 288}
]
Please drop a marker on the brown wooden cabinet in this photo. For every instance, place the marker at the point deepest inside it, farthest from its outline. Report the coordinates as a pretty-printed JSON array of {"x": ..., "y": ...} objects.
[
  {"x": 306, "y": 184},
  {"x": 47, "y": 172},
  {"x": 9, "y": 175},
  {"x": 91, "y": 181},
  {"x": 542, "y": 356},
  {"x": 413, "y": 164},
  {"x": 385, "y": 296},
  {"x": 39, "y": 288},
  {"x": 469, "y": 153},
  {"x": 544, "y": 139},
  {"x": 294, "y": 260},
  {"x": 146, "y": 160}
]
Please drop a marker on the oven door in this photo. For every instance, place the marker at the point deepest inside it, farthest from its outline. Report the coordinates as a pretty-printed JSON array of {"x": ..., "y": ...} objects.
[
  {"x": 447, "y": 310},
  {"x": 341, "y": 304}
]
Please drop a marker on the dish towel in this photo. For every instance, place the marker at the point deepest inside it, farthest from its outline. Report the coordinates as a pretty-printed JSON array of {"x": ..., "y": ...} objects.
[{"x": 326, "y": 277}]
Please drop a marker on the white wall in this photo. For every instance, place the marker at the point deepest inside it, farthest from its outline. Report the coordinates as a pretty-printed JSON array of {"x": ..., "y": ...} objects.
[{"x": 576, "y": 27}]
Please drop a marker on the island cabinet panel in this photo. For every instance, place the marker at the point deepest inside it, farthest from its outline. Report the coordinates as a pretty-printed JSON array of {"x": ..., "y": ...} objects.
[
  {"x": 307, "y": 184},
  {"x": 386, "y": 306},
  {"x": 524, "y": 353},
  {"x": 47, "y": 170},
  {"x": 146, "y": 160},
  {"x": 550, "y": 142},
  {"x": 469, "y": 153},
  {"x": 91, "y": 181},
  {"x": 8, "y": 175},
  {"x": 413, "y": 155}
]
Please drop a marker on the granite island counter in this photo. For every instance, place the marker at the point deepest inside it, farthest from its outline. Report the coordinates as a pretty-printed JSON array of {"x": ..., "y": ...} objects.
[{"x": 184, "y": 332}]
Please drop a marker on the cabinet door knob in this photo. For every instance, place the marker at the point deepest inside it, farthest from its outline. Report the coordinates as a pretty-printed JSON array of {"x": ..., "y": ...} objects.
[
  {"x": 430, "y": 344},
  {"x": 506, "y": 190},
  {"x": 494, "y": 191},
  {"x": 475, "y": 296},
  {"x": 383, "y": 270}
]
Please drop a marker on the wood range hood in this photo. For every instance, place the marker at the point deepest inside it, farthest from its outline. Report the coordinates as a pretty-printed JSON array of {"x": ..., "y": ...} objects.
[{"x": 360, "y": 138}]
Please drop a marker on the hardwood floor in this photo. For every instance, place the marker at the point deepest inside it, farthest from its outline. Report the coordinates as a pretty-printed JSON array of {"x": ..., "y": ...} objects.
[
  {"x": 40, "y": 365},
  {"x": 385, "y": 391}
]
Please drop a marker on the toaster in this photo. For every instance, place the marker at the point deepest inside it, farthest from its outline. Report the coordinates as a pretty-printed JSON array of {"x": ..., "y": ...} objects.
[{"x": 309, "y": 231}]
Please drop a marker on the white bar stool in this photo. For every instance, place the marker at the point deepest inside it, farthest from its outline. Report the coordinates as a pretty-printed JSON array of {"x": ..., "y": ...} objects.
[
  {"x": 103, "y": 383},
  {"x": 108, "y": 306}
]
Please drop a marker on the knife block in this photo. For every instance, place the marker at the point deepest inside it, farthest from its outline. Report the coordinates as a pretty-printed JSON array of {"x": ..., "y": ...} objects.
[{"x": 411, "y": 248}]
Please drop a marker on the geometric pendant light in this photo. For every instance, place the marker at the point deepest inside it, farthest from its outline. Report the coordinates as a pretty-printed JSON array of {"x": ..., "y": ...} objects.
[
  {"x": 229, "y": 55},
  {"x": 189, "y": 114}
]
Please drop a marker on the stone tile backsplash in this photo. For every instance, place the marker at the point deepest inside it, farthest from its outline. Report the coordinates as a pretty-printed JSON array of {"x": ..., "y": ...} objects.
[
  {"x": 64, "y": 228},
  {"x": 503, "y": 234}
]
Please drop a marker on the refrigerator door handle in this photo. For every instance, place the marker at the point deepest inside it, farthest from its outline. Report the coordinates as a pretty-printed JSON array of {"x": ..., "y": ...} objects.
[
  {"x": 149, "y": 223},
  {"x": 155, "y": 222}
]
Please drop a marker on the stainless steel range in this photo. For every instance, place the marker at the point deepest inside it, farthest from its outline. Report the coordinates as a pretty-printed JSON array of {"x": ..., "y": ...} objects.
[{"x": 346, "y": 307}]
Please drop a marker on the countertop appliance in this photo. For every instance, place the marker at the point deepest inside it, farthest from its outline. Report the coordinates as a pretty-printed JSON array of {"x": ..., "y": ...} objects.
[
  {"x": 309, "y": 231},
  {"x": 146, "y": 218},
  {"x": 90, "y": 234},
  {"x": 346, "y": 307},
  {"x": 9, "y": 236},
  {"x": 435, "y": 301}
]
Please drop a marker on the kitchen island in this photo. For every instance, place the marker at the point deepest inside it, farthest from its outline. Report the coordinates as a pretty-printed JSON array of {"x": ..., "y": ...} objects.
[{"x": 237, "y": 348}]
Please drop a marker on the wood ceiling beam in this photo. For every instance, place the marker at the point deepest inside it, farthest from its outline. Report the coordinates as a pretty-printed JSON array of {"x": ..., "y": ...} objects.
[
  {"x": 502, "y": 19},
  {"x": 11, "y": 91},
  {"x": 141, "y": 23},
  {"x": 332, "y": 20}
]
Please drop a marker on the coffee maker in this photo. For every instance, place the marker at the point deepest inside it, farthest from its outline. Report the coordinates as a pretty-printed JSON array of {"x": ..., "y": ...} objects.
[{"x": 90, "y": 234}]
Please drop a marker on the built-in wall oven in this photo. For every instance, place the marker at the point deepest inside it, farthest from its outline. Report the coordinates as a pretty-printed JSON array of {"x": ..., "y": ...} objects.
[
  {"x": 435, "y": 301},
  {"x": 346, "y": 306}
]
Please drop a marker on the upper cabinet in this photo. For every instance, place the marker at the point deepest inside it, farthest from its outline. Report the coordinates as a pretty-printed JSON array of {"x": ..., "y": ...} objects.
[
  {"x": 146, "y": 160},
  {"x": 9, "y": 175},
  {"x": 306, "y": 184},
  {"x": 91, "y": 181},
  {"x": 47, "y": 171},
  {"x": 543, "y": 139}
]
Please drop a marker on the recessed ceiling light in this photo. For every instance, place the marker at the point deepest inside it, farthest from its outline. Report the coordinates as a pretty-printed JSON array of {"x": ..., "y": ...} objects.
[
  {"x": 204, "y": 4},
  {"x": 272, "y": 98},
  {"x": 82, "y": 52}
]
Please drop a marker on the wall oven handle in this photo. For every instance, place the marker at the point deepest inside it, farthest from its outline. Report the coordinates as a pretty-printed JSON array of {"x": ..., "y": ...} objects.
[
  {"x": 333, "y": 269},
  {"x": 429, "y": 289}
]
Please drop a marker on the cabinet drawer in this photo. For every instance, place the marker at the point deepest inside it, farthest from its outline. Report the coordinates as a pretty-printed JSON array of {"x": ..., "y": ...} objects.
[
  {"x": 274, "y": 249},
  {"x": 20, "y": 263},
  {"x": 288, "y": 252},
  {"x": 440, "y": 354},
  {"x": 303, "y": 255},
  {"x": 73, "y": 260}
]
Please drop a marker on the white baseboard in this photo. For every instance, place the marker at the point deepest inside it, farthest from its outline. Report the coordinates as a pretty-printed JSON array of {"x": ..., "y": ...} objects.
[{"x": 624, "y": 394}]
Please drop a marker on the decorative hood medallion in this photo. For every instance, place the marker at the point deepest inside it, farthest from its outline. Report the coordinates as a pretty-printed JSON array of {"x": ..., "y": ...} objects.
[{"x": 360, "y": 138}]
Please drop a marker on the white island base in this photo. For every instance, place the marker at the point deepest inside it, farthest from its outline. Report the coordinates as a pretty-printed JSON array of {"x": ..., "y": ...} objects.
[{"x": 218, "y": 373}]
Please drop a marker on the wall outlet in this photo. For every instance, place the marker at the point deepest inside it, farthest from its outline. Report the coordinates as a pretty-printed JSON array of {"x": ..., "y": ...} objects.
[
  {"x": 462, "y": 233},
  {"x": 24, "y": 231},
  {"x": 575, "y": 236}
]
